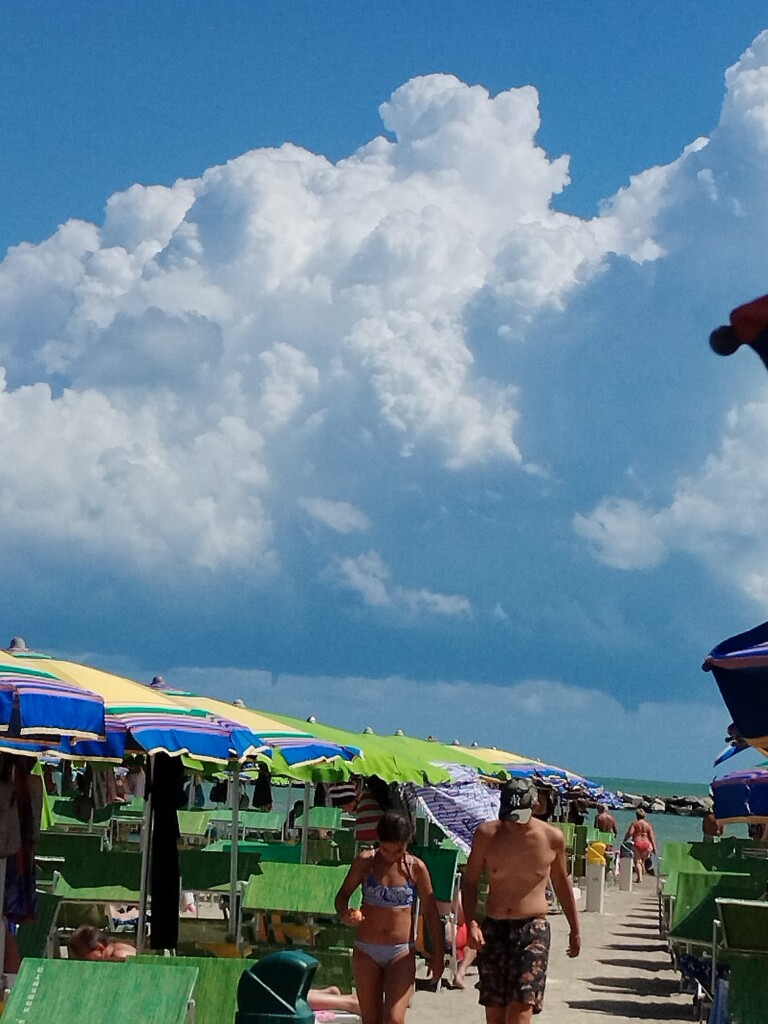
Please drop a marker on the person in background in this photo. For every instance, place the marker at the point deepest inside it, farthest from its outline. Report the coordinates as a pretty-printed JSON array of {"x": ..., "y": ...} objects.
[
  {"x": 89, "y": 943},
  {"x": 711, "y": 829},
  {"x": 643, "y": 842},
  {"x": 605, "y": 821},
  {"x": 368, "y": 812},
  {"x": 577, "y": 812},
  {"x": 545, "y": 805}
]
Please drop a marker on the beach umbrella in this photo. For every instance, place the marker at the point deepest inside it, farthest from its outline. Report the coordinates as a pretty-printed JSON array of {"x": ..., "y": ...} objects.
[
  {"x": 741, "y": 796},
  {"x": 441, "y": 754},
  {"x": 143, "y": 719},
  {"x": 147, "y": 719},
  {"x": 740, "y": 667},
  {"x": 560, "y": 779},
  {"x": 379, "y": 757},
  {"x": 291, "y": 747},
  {"x": 37, "y": 703}
]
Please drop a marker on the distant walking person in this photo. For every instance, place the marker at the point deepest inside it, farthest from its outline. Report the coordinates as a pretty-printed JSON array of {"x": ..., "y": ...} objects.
[
  {"x": 644, "y": 842},
  {"x": 520, "y": 854},
  {"x": 605, "y": 821}
]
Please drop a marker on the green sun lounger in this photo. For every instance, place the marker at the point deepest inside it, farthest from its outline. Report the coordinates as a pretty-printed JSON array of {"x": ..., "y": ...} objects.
[
  {"x": 693, "y": 929},
  {"x": 266, "y": 823},
  {"x": 79, "y": 992},
  {"x": 193, "y": 824},
  {"x": 286, "y": 853},
  {"x": 740, "y": 938},
  {"x": 321, "y": 817},
  {"x": 296, "y": 888},
  {"x": 215, "y": 991},
  {"x": 36, "y": 938}
]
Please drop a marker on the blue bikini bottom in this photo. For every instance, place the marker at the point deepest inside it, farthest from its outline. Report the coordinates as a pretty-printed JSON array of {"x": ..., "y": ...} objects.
[{"x": 383, "y": 953}]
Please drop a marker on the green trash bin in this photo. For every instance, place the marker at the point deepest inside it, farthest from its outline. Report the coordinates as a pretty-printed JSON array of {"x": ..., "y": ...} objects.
[{"x": 275, "y": 989}]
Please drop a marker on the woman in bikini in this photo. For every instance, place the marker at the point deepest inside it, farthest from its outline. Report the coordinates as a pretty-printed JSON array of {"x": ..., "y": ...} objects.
[
  {"x": 644, "y": 841},
  {"x": 384, "y": 961}
]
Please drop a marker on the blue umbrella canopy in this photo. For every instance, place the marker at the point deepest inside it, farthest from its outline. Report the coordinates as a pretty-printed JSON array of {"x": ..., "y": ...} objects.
[
  {"x": 740, "y": 667},
  {"x": 38, "y": 703},
  {"x": 741, "y": 796}
]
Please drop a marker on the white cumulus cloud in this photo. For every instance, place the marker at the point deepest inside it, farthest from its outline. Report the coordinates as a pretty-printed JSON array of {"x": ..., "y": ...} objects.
[{"x": 369, "y": 576}]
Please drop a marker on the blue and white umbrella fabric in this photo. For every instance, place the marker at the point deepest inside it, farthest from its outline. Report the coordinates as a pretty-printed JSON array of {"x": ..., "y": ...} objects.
[{"x": 740, "y": 667}]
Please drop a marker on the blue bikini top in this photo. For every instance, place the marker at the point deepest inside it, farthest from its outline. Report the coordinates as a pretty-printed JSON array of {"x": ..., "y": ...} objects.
[{"x": 376, "y": 894}]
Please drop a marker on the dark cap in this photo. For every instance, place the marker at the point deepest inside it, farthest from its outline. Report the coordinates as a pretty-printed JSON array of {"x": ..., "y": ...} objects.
[{"x": 517, "y": 795}]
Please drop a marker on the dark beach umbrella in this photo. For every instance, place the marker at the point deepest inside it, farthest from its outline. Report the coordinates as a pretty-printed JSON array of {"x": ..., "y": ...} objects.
[
  {"x": 740, "y": 667},
  {"x": 741, "y": 796}
]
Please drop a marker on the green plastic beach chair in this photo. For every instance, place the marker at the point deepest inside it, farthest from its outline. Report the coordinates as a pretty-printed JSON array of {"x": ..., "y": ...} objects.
[
  {"x": 205, "y": 871},
  {"x": 36, "y": 938},
  {"x": 741, "y": 939},
  {"x": 259, "y": 823},
  {"x": 694, "y": 929},
  {"x": 286, "y": 853},
  {"x": 102, "y": 878},
  {"x": 748, "y": 990},
  {"x": 215, "y": 991},
  {"x": 80, "y": 992},
  {"x": 193, "y": 824},
  {"x": 321, "y": 817},
  {"x": 296, "y": 888}
]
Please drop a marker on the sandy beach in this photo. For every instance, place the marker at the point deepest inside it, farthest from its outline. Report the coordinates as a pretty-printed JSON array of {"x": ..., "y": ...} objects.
[{"x": 622, "y": 974}]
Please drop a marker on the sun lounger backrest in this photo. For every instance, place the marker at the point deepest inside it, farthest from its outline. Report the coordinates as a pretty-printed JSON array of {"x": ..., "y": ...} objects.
[
  {"x": 215, "y": 991},
  {"x": 203, "y": 871},
  {"x": 296, "y": 888},
  {"x": 748, "y": 990},
  {"x": 68, "y": 844},
  {"x": 79, "y": 992},
  {"x": 695, "y": 927},
  {"x": 114, "y": 877},
  {"x": 33, "y": 937},
  {"x": 744, "y": 925},
  {"x": 442, "y": 864}
]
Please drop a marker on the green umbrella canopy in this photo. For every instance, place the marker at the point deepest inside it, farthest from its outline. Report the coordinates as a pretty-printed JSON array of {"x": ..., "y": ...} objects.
[
  {"x": 390, "y": 761},
  {"x": 446, "y": 753}
]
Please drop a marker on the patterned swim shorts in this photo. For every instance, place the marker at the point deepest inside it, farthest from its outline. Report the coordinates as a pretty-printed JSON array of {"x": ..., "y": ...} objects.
[{"x": 512, "y": 965}]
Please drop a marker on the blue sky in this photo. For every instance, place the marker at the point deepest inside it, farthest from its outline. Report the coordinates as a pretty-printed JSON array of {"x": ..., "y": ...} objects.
[{"x": 355, "y": 360}]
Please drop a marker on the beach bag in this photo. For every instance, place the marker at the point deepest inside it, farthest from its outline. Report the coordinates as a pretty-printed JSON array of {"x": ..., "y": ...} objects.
[{"x": 10, "y": 830}]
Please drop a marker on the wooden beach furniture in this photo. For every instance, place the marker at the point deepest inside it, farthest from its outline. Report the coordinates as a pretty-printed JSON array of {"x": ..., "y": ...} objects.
[{"x": 74, "y": 992}]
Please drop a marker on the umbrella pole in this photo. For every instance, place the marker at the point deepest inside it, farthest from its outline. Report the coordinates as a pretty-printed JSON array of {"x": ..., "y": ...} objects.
[
  {"x": 3, "y": 922},
  {"x": 305, "y": 823},
  {"x": 146, "y": 846},
  {"x": 234, "y": 914}
]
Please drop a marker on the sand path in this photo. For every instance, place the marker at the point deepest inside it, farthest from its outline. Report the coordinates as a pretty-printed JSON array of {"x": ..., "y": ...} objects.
[{"x": 623, "y": 973}]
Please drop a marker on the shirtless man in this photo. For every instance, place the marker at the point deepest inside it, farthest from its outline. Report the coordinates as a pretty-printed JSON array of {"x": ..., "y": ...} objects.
[
  {"x": 519, "y": 854},
  {"x": 605, "y": 821}
]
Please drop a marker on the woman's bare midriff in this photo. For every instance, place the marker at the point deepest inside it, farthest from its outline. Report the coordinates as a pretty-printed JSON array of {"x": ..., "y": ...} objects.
[{"x": 386, "y": 925}]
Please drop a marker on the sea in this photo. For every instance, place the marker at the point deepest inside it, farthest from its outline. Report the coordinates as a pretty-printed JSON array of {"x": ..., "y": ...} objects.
[{"x": 668, "y": 827}]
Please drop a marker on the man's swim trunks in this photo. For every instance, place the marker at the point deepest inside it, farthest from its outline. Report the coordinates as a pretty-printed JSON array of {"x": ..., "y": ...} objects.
[{"x": 512, "y": 965}]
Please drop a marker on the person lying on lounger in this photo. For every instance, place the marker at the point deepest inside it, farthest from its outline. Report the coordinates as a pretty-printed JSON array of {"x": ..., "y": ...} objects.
[{"x": 89, "y": 943}]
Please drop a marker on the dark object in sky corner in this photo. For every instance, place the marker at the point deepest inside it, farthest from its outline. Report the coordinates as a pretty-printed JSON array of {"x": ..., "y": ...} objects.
[{"x": 748, "y": 326}]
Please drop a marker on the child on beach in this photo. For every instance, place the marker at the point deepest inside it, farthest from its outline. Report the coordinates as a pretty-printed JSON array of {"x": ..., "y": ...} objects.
[{"x": 384, "y": 961}]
